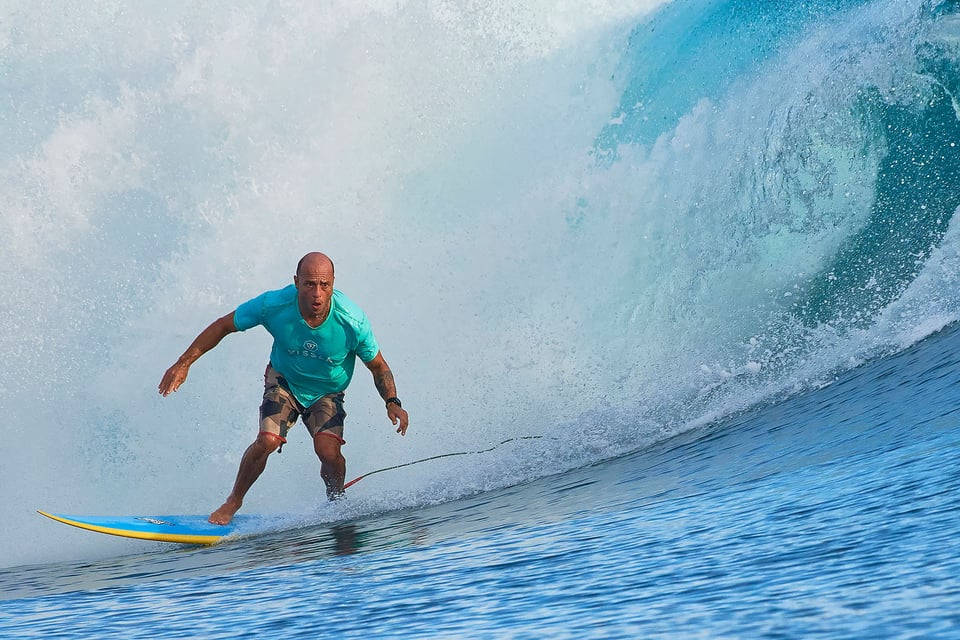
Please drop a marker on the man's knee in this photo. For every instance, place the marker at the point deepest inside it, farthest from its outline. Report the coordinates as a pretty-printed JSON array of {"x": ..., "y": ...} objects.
[
  {"x": 327, "y": 446},
  {"x": 269, "y": 442}
]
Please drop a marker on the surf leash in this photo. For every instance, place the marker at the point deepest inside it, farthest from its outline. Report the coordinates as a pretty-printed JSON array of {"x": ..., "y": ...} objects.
[{"x": 442, "y": 455}]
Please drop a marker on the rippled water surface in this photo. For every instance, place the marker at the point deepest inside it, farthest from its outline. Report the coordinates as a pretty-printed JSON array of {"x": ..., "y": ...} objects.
[
  {"x": 833, "y": 514},
  {"x": 678, "y": 283}
]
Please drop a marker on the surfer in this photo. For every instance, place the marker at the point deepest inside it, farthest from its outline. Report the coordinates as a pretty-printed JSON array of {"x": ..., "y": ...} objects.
[{"x": 317, "y": 335}]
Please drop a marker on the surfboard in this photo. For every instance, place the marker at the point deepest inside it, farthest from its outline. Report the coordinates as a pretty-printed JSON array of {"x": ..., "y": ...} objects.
[{"x": 180, "y": 529}]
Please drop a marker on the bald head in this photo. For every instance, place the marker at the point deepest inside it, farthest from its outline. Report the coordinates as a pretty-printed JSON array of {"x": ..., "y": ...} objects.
[{"x": 314, "y": 261}]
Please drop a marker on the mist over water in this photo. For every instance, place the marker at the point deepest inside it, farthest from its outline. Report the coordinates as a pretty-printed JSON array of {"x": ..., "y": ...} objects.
[{"x": 549, "y": 237}]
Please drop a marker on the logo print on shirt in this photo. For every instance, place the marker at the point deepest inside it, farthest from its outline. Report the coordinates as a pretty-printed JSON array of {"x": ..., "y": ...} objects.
[{"x": 310, "y": 351}]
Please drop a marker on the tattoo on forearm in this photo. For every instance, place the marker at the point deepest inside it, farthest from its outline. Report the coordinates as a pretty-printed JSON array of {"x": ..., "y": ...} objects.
[{"x": 385, "y": 384}]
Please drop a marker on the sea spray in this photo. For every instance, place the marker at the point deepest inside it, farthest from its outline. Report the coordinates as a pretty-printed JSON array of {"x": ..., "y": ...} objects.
[{"x": 532, "y": 262}]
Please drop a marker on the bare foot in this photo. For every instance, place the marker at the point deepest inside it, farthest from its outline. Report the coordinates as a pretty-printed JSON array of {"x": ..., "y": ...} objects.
[{"x": 224, "y": 514}]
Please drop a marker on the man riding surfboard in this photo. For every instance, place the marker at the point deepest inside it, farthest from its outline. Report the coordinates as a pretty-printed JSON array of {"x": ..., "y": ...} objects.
[{"x": 317, "y": 335}]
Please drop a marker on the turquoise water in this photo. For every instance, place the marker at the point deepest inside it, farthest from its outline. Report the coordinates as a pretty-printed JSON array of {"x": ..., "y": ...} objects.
[
  {"x": 678, "y": 281},
  {"x": 832, "y": 514}
]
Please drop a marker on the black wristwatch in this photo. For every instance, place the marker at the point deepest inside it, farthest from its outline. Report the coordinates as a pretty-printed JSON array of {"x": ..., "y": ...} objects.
[{"x": 395, "y": 401}]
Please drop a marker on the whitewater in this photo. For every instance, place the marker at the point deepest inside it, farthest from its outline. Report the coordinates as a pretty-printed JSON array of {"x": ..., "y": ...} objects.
[{"x": 678, "y": 279}]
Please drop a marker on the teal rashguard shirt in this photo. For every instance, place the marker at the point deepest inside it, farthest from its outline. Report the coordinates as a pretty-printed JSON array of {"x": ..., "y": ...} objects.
[{"x": 315, "y": 361}]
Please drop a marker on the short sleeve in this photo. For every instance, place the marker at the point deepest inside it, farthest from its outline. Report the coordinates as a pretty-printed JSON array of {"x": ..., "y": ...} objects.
[
  {"x": 249, "y": 314},
  {"x": 367, "y": 347}
]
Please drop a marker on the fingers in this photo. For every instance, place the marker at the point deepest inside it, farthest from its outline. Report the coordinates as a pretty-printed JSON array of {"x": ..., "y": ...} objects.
[
  {"x": 172, "y": 380},
  {"x": 167, "y": 387},
  {"x": 398, "y": 417}
]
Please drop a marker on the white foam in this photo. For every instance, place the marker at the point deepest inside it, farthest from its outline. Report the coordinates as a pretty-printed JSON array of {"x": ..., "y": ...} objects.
[{"x": 163, "y": 165}]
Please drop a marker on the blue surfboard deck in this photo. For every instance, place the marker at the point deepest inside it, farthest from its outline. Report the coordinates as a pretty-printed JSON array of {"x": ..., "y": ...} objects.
[{"x": 180, "y": 529}]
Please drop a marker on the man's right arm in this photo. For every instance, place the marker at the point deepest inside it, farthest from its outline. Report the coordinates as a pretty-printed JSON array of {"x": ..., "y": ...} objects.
[{"x": 207, "y": 340}]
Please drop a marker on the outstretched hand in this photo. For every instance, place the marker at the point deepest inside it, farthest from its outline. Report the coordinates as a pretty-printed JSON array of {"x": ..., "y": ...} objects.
[
  {"x": 173, "y": 378},
  {"x": 398, "y": 416}
]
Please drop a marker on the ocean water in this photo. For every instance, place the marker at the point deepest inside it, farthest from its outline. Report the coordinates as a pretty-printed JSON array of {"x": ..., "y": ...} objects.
[
  {"x": 831, "y": 515},
  {"x": 676, "y": 281}
]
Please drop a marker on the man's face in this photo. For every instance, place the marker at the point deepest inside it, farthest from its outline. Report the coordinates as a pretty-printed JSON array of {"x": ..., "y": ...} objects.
[{"x": 314, "y": 288}]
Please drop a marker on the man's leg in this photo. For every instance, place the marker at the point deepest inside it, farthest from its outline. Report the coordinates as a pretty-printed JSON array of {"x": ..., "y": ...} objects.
[
  {"x": 252, "y": 464},
  {"x": 333, "y": 467},
  {"x": 278, "y": 412},
  {"x": 324, "y": 420}
]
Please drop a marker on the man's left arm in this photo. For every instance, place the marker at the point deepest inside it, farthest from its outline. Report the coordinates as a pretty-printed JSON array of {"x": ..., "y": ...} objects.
[{"x": 383, "y": 379}]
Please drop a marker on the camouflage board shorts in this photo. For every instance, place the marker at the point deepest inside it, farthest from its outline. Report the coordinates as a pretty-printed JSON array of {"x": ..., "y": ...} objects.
[{"x": 280, "y": 410}]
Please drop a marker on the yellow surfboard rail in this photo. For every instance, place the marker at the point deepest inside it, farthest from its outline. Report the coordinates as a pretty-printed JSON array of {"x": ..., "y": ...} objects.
[{"x": 153, "y": 535}]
